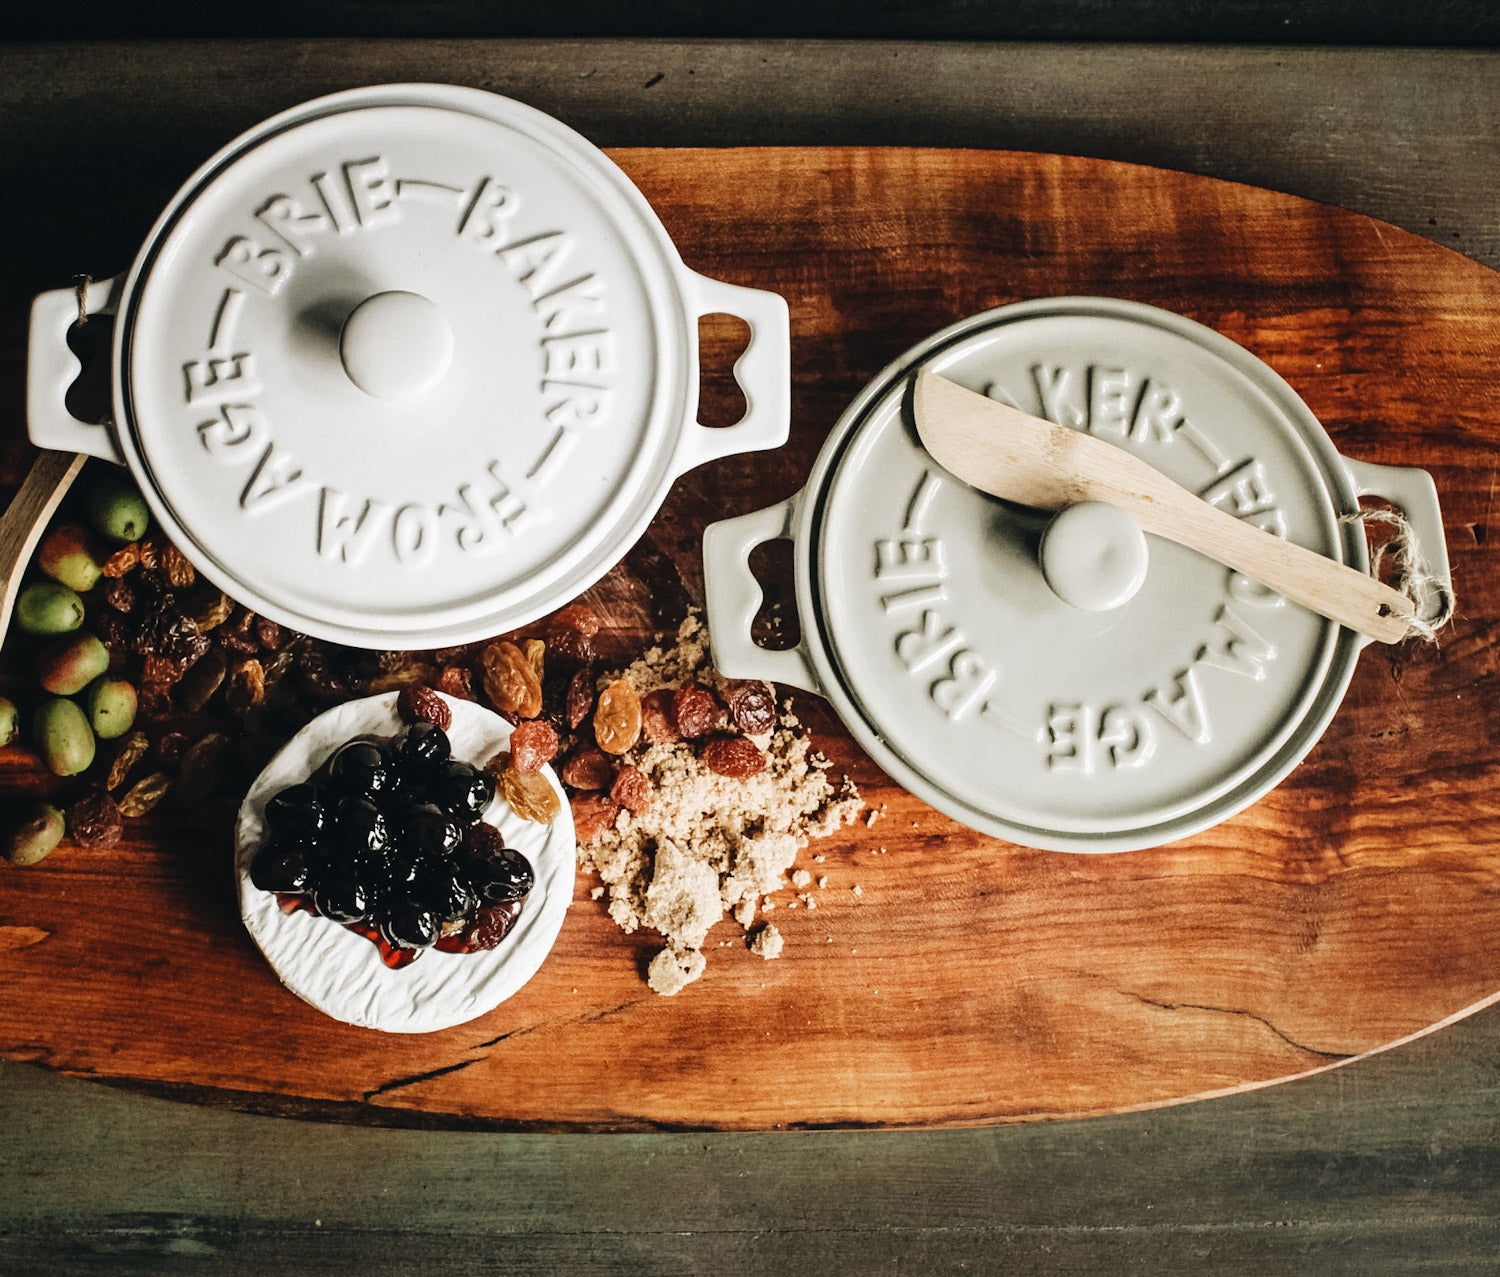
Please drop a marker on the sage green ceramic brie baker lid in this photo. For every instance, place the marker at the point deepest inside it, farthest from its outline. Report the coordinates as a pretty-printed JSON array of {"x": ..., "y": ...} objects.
[{"x": 931, "y": 627}]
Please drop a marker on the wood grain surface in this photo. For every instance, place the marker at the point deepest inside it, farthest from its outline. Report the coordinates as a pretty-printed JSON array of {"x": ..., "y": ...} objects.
[{"x": 971, "y": 981}]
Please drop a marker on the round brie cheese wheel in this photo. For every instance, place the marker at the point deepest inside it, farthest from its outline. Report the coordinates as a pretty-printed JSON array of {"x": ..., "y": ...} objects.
[{"x": 341, "y": 973}]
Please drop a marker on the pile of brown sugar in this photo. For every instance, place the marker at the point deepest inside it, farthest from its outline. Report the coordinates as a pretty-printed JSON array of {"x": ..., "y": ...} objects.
[{"x": 709, "y": 844}]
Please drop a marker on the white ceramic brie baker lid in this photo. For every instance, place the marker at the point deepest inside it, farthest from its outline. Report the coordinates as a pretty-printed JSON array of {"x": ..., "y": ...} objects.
[
  {"x": 1067, "y": 718},
  {"x": 408, "y": 366}
]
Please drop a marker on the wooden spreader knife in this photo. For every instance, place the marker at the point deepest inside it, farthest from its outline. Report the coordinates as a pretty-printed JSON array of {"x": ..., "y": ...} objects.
[{"x": 1034, "y": 462}]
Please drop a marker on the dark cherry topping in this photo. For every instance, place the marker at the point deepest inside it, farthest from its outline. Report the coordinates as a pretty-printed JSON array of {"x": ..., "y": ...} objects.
[{"x": 387, "y": 839}]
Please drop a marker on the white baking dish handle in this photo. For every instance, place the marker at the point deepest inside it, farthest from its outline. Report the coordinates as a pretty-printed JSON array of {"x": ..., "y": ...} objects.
[
  {"x": 51, "y": 367},
  {"x": 1413, "y": 492},
  {"x": 764, "y": 371},
  {"x": 733, "y": 595}
]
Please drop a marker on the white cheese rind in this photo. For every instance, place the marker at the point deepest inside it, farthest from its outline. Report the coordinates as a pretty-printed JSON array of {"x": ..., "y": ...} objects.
[{"x": 340, "y": 973}]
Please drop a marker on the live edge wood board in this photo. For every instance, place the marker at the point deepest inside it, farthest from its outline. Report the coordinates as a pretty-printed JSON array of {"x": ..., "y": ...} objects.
[{"x": 971, "y": 981}]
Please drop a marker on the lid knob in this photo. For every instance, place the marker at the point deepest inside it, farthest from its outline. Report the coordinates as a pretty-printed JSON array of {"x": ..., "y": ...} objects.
[
  {"x": 1094, "y": 556},
  {"x": 396, "y": 345}
]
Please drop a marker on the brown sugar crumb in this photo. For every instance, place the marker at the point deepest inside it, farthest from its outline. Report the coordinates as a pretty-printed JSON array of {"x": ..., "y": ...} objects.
[
  {"x": 672, "y": 970},
  {"x": 768, "y": 942},
  {"x": 708, "y": 844}
]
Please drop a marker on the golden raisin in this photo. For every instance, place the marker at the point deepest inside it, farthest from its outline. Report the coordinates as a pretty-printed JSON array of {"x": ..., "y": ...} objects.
[
  {"x": 132, "y": 749},
  {"x": 211, "y": 610},
  {"x": 536, "y": 657},
  {"x": 180, "y": 573},
  {"x": 530, "y": 795},
  {"x": 510, "y": 682},
  {"x": 246, "y": 687},
  {"x": 142, "y": 796},
  {"x": 617, "y": 718},
  {"x": 122, "y": 560}
]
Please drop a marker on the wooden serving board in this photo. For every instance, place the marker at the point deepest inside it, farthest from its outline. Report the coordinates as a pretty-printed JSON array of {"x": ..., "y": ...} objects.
[{"x": 971, "y": 981}]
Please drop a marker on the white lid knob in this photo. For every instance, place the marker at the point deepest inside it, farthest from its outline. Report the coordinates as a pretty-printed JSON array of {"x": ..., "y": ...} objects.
[
  {"x": 396, "y": 345},
  {"x": 1094, "y": 556}
]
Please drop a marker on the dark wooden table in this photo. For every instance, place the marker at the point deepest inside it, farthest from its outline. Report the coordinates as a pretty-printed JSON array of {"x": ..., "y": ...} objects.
[{"x": 1389, "y": 1160}]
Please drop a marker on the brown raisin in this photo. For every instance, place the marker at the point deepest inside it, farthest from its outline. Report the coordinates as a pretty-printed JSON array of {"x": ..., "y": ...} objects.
[
  {"x": 204, "y": 769},
  {"x": 315, "y": 673},
  {"x": 589, "y": 769},
  {"x": 510, "y": 682},
  {"x": 570, "y": 635},
  {"x": 421, "y": 704},
  {"x": 752, "y": 707},
  {"x": 94, "y": 820},
  {"x": 152, "y": 703},
  {"x": 237, "y": 633},
  {"x": 161, "y": 672},
  {"x": 483, "y": 839},
  {"x": 269, "y": 633},
  {"x": 490, "y": 926},
  {"x": 116, "y": 631},
  {"x": 695, "y": 710},
  {"x": 166, "y": 631},
  {"x": 170, "y": 747},
  {"x": 632, "y": 789},
  {"x": 579, "y": 702},
  {"x": 733, "y": 756},
  {"x": 200, "y": 682},
  {"x": 617, "y": 717},
  {"x": 277, "y": 666},
  {"x": 658, "y": 722},
  {"x": 119, "y": 594},
  {"x": 456, "y": 681},
  {"x": 533, "y": 744},
  {"x": 593, "y": 815},
  {"x": 530, "y": 795}
]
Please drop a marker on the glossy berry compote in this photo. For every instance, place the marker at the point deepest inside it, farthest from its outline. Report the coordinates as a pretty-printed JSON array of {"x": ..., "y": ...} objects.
[{"x": 388, "y": 838}]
